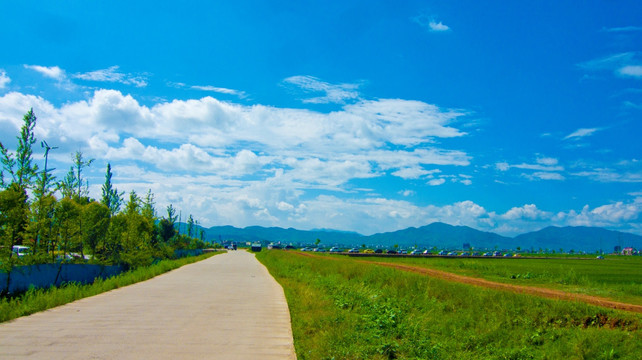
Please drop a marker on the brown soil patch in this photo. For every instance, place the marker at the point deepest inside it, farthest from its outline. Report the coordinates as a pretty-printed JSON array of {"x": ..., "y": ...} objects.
[{"x": 530, "y": 290}]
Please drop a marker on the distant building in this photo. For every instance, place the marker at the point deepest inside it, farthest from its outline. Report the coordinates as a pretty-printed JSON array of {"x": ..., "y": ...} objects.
[{"x": 628, "y": 251}]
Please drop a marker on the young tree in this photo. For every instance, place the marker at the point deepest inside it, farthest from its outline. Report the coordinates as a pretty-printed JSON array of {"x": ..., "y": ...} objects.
[
  {"x": 78, "y": 165},
  {"x": 96, "y": 223},
  {"x": 190, "y": 226},
  {"x": 110, "y": 196}
]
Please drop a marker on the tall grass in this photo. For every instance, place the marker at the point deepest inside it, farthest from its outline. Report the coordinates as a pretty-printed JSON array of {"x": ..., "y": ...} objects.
[
  {"x": 35, "y": 300},
  {"x": 343, "y": 309}
]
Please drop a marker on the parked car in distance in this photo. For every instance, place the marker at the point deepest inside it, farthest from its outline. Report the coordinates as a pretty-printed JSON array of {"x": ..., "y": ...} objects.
[
  {"x": 442, "y": 253},
  {"x": 415, "y": 252},
  {"x": 354, "y": 251},
  {"x": 475, "y": 253},
  {"x": 507, "y": 255},
  {"x": 368, "y": 251},
  {"x": 319, "y": 250},
  {"x": 451, "y": 254},
  {"x": 392, "y": 252},
  {"x": 335, "y": 250},
  {"x": 427, "y": 252},
  {"x": 487, "y": 254},
  {"x": 600, "y": 257},
  {"x": 20, "y": 250},
  {"x": 497, "y": 253},
  {"x": 379, "y": 251},
  {"x": 464, "y": 254}
]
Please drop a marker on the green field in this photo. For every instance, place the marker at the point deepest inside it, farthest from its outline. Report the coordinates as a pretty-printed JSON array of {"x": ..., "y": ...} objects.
[
  {"x": 345, "y": 309},
  {"x": 616, "y": 277}
]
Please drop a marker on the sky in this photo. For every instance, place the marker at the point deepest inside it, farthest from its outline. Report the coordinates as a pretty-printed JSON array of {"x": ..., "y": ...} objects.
[{"x": 366, "y": 116}]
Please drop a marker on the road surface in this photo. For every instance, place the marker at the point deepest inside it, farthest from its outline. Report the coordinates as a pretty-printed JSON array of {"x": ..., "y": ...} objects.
[{"x": 225, "y": 307}]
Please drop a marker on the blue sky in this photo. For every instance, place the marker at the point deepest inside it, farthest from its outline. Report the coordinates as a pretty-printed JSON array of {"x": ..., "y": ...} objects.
[{"x": 368, "y": 116}]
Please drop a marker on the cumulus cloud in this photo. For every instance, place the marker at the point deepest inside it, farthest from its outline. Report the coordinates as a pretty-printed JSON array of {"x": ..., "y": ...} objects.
[
  {"x": 112, "y": 74},
  {"x": 332, "y": 93},
  {"x": 436, "y": 182},
  {"x": 4, "y": 79}
]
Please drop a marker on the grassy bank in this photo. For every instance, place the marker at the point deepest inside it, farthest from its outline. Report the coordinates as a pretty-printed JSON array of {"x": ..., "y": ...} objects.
[
  {"x": 344, "y": 309},
  {"x": 36, "y": 300},
  {"x": 618, "y": 277}
]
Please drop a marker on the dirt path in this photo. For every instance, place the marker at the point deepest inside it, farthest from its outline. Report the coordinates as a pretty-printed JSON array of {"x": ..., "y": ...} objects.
[
  {"x": 225, "y": 307},
  {"x": 537, "y": 291}
]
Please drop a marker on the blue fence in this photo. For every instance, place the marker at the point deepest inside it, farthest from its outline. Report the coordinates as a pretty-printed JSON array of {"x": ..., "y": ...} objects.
[
  {"x": 185, "y": 253},
  {"x": 46, "y": 275}
]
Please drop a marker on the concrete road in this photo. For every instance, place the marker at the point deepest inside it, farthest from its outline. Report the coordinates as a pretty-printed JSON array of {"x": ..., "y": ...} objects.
[{"x": 225, "y": 307}]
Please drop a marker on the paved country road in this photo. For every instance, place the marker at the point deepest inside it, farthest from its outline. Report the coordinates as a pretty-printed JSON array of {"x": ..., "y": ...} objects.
[{"x": 225, "y": 307}]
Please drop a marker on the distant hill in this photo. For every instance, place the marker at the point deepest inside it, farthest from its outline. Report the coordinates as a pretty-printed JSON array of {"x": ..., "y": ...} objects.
[
  {"x": 578, "y": 238},
  {"x": 436, "y": 234},
  {"x": 441, "y": 235}
]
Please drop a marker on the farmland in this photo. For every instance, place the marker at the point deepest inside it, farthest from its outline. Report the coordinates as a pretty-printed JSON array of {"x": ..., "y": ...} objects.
[
  {"x": 347, "y": 309},
  {"x": 616, "y": 277}
]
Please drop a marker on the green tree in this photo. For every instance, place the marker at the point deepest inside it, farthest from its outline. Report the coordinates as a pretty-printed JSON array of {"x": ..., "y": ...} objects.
[
  {"x": 96, "y": 223},
  {"x": 13, "y": 220},
  {"x": 66, "y": 220},
  {"x": 110, "y": 195},
  {"x": 21, "y": 168},
  {"x": 190, "y": 226}
]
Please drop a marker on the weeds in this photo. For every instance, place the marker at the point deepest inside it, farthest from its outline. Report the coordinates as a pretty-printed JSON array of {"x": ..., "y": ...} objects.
[{"x": 344, "y": 309}]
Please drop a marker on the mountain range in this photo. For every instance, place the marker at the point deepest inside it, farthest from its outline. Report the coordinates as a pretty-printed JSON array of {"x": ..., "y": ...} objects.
[{"x": 439, "y": 235}]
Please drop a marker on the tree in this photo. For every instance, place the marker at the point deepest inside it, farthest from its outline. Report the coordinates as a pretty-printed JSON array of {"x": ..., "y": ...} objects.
[
  {"x": 166, "y": 225},
  {"x": 21, "y": 169},
  {"x": 78, "y": 165},
  {"x": 96, "y": 223},
  {"x": 190, "y": 226},
  {"x": 110, "y": 195},
  {"x": 13, "y": 220}
]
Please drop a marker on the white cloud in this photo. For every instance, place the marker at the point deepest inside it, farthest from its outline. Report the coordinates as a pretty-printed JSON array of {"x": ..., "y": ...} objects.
[
  {"x": 111, "y": 74},
  {"x": 541, "y": 175},
  {"x": 429, "y": 23},
  {"x": 410, "y": 172},
  {"x": 333, "y": 93},
  {"x": 53, "y": 72},
  {"x": 580, "y": 133},
  {"x": 220, "y": 90},
  {"x": 610, "y": 175},
  {"x": 529, "y": 211},
  {"x": 438, "y": 26},
  {"x": 631, "y": 71},
  {"x": 436, "y": 182},
  {"x": 4, "y": 79}
]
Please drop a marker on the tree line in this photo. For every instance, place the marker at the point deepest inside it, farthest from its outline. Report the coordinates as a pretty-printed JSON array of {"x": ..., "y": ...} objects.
[{"x": 60, "y": 222}]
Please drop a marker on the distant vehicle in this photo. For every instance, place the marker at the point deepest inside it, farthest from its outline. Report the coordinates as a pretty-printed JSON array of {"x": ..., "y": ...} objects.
[
  {"x": 427, "y": 252},
  {"x": 20, "y": 250},
  {"x": 507, "y": 255},
  {"x": 442, "y": 253},
  {"x": 497, "y": 253},
  {"x": 368, "y": 251},
  {"x": 475, "y": 254},
  {"x": 402, "y": 252},
  {"x": 487, "y": 254},
  {"x": 355, "y": 251},
  {"x": 306, "y": 249},
  {"x": 416, "y": 252},
  {"x": 335, "y": 250},
  {"x": 516, "y": 255},
  {"x": 256, "y": 247},
  {"x": 319, "y": 250},
  {"x": 392, "y": 252},
  {"x": 451, "y": 254},
  {"x": 600, "y": 257},
  {"x": 379, "y": 251},
  {"x": 464, "y": 254}
]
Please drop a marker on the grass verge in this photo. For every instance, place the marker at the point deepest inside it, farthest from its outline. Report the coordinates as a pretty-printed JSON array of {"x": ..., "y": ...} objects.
[
  {"x": 35, "y": 300},
  {"x": 343, "y": 309}
]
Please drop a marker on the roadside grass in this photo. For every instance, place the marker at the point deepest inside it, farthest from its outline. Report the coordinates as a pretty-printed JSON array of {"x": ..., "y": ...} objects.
[
  {"x": 35, "y": 300},
  {"x": 618, "y": 278},
  {"x": 344, "y": 309}
]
